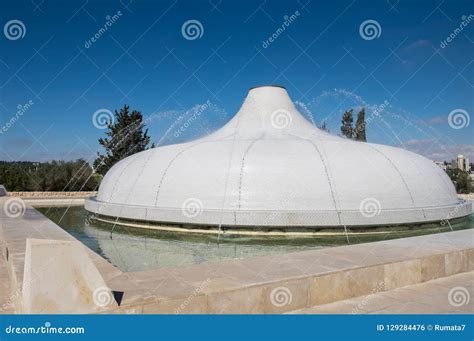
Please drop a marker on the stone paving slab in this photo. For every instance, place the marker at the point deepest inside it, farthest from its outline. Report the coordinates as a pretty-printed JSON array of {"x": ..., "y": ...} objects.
[{"x": 6, "y": 301}]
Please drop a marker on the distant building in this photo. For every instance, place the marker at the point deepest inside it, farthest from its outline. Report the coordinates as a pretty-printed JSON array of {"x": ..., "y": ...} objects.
[
  {"x": 461, "y": 163},
  {"x": 442, "y": 164}
]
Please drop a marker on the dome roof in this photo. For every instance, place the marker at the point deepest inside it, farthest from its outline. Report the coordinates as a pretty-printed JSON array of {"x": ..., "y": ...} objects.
[{"x": 269, "y": 166}]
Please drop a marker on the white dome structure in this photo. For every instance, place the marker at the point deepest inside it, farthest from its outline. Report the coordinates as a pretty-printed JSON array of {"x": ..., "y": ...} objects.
[{"x": 270, "y": 167}]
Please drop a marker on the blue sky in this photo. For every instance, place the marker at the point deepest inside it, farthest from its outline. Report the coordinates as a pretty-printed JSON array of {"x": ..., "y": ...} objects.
[{"x": 321, "y": 57}]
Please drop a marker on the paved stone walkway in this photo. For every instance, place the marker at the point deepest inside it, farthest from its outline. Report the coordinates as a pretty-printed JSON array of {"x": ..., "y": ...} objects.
[
  {"x": 6, "y": 302},
  {"x": 448, "y": 295}
]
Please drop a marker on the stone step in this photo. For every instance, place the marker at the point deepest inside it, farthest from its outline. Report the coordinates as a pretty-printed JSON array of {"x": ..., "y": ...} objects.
[{"x": 447, "y": 295}]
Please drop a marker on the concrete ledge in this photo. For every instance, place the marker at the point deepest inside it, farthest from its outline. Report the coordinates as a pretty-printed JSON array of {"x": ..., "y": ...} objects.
[
  {"x": 14, "y": 232},
  {"x": 59, "y": 277}
]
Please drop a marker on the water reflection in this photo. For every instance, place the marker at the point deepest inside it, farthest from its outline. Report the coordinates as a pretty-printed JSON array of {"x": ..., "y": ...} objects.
[{"x": 132, "y": 249}]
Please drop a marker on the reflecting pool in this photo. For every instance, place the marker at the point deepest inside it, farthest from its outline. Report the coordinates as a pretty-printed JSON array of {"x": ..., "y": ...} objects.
[{"x": 133, "y": 249}]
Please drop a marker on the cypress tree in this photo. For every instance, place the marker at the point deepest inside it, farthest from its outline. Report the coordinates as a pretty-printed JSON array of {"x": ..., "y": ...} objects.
[
  {"x": 346, "y": 128},
  {"x": 359, "y": 131}
]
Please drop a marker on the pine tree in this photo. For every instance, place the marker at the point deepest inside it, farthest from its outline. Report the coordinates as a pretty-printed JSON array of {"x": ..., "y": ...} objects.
[
  {"x": 346, "y": 128},
  {"x": 125, "y": 137},
  {"x": 359, "y": 131}
]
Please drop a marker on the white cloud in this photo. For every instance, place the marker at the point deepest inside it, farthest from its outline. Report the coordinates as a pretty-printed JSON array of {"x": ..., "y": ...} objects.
[
  {"x": 435, "y": 150},
  {"x": 435, "y": 120}
]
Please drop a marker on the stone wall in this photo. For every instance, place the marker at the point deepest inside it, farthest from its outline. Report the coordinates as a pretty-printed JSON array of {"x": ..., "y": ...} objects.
[
  {"x": 469, "y": 196},
  {"x": 52, "y": 194}
]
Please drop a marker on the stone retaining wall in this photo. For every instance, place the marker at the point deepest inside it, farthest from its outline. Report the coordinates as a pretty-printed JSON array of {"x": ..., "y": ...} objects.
[
  {"x": 40, "y": 195},
  {"x": 469, "y": 196}
]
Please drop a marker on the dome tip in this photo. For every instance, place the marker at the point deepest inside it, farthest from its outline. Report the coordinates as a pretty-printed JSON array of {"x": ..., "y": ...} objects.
[{"x": 268, "y": 86}]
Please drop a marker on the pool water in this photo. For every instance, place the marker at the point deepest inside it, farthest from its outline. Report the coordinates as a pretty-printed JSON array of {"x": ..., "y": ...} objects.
[{"x": 132, "y": 249}]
